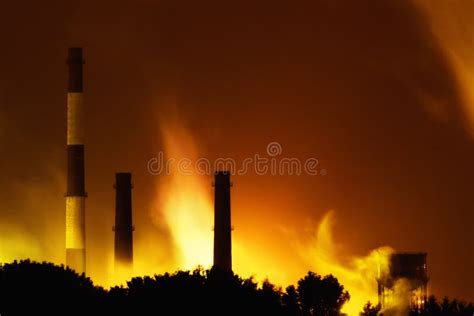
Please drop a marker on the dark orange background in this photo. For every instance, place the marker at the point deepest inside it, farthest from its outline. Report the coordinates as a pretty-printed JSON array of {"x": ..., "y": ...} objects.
[{"x": 343, "y": 81}]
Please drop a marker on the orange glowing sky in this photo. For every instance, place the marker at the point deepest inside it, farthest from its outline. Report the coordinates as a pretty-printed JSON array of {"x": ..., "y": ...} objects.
[{"x": 379, "y": 92}]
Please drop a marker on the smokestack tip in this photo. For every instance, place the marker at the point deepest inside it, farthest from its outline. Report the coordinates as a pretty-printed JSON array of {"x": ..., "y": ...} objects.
[
  {"x": 75, "y": 55},
  {"x": 222, "y": 179},
  {"x": 123, "y": 180},
  {"x": 222, "y": 173},
  {"x": 123, "y": 175}
]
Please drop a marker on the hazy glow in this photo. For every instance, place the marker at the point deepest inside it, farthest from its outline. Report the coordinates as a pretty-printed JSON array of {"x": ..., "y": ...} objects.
[
  {"x": 16, "y": 245},
  {"x": 398, "y": 299},
  {"x": 187, "y": 207},
  {"x": 358, "y": 275},
  {"x": 451, "y": 24},
  {"x": 187, "y": 203},
  {"x": 18, "y": 239}
]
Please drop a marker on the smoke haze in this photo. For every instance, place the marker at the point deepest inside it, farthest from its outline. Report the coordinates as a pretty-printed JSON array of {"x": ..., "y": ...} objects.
[{"x": 378, "y": 92}]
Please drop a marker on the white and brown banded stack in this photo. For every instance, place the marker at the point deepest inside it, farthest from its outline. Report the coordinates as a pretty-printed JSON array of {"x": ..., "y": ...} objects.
[{"x": 76, "y": 194}]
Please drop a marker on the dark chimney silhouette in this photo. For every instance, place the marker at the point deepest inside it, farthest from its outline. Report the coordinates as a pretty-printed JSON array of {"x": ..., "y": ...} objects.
[
  {"x": 222, "y": 222},
  {"x": 123, "y": 219}
]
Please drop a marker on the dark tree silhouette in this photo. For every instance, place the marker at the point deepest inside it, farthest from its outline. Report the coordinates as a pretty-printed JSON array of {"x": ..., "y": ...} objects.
[
  {"x": 28, "y": 288},
  {"x": 198, "y": 292},
  {"x": 446, "y": 307},
  {"x": 370, "y": 309},
  {"x": 290, "y": 301},
  {"x": 321, "y": 296}
]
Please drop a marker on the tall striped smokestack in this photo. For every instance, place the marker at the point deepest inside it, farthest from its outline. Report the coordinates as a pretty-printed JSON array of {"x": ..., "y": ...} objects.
[
  {"x": 123, "y": 220},
  {"x": 76, "y": 194},
  {"x": 222, "y": 224}
]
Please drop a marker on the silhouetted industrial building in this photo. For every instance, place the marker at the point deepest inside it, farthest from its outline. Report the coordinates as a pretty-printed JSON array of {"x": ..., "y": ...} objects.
[
  {"x": 222, "y": 222},
  {"x": 405, "y": 282},
  {"x": 76, "y": 194},
  {"x": 123, "y": 219}
]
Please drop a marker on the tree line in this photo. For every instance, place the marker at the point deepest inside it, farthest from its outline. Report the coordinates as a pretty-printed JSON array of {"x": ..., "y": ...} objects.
[{"x": 28, "y": 288}]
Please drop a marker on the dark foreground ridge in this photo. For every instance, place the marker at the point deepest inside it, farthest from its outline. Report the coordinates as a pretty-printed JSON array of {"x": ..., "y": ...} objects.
[{"x": 31, "y": 288}]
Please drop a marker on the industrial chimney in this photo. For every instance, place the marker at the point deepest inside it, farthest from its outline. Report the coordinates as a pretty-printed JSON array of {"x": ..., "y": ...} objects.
[
  {"x": 76, "y": 194},
  {"x": 123, "y": 220},
  {"x": 222, "y": 225}
]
